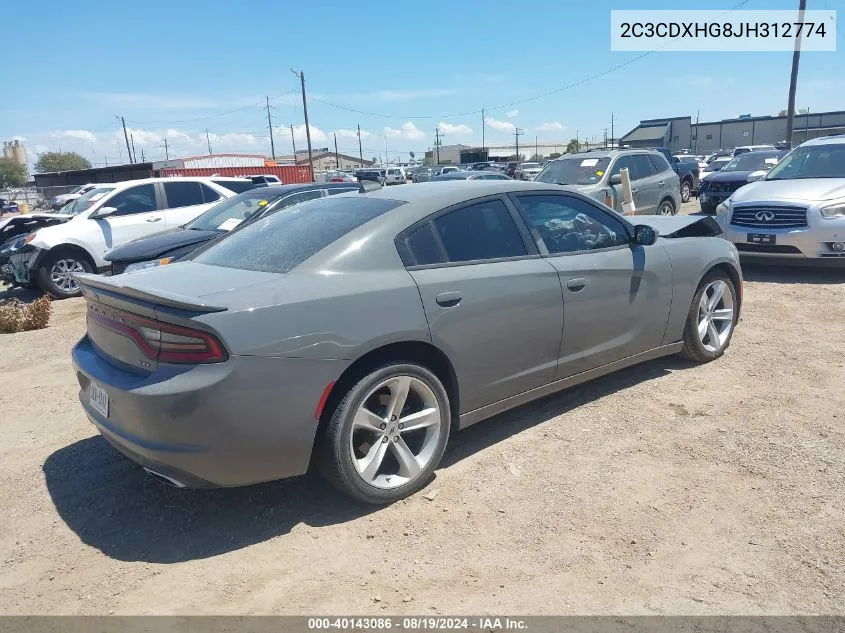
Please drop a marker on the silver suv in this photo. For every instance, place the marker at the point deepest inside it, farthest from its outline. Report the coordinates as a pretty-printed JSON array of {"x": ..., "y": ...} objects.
[
  {"x": 655, "y": 186},
  {"x": 797, "y": 211}
]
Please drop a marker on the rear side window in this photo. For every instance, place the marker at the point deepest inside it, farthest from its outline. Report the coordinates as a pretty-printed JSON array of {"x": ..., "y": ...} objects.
[
  {"x": 182, "y": 194},
  {"x": 480, "y": 231},
  {"x": 238, "y": 186},
  {"x": 423, "y": 247},
  {"x": 208, "y": 194},
  {"x": 280, "y": 242},
  {"x": 660, "y": 163}
]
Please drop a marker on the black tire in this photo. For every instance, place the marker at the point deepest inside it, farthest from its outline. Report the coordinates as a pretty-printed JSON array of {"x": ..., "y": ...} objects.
[
  {"x": 45, "y": 278},
  {"x": 694, "y": 348},
  {"x": 334, "y": 458},
  {"x": 668, "y": 205},
  {"x": 686, "y": 190}
]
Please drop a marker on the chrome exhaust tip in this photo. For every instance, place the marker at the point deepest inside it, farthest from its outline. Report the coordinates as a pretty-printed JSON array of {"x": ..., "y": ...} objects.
[{"x": 165, "y": 479}]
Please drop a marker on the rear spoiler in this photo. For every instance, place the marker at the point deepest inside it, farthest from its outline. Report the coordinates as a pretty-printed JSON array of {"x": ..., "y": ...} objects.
[{"x": 170, "y": 300}]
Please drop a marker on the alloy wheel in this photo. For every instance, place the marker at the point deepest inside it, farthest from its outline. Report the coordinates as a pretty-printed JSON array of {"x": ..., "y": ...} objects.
[
  {"x": 666, "y": 208},
  {"x": 715, "y": 315},
  {"x": 395, "y": 432},
  {"x": 63, "y": 274},
  {"x": 686, "y": 192}
]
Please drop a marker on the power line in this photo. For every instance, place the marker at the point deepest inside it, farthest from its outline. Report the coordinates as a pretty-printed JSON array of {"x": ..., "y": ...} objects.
[
  {"x": 520, "y": 101},
  {"x": 209, "y": 116}
]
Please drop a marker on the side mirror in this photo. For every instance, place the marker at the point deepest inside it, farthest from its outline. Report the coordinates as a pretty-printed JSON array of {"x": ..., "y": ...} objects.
[
  {"x": 644, "y": 235},
  {"x": 103, "y": 212},
  {"x": 675, "y": 159},
  {"x": 615, "y": 179},
  {"x": 757, "y": 175}
]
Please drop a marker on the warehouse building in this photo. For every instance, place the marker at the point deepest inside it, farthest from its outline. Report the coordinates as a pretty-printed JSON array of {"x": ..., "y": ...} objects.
[{"x": 681, "y": 133}]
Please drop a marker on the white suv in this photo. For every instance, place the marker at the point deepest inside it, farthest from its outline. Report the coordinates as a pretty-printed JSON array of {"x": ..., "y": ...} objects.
[
  {"x": 109, "y": 216},
  {"x": 394, "y": 176}
]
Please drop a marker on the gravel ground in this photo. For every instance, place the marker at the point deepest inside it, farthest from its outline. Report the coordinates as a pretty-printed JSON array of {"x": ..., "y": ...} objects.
[{"x": 666, "y": 488}]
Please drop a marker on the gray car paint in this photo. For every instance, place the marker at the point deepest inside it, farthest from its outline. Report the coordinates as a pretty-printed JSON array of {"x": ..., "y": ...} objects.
[{"x": 289, "y": 337}]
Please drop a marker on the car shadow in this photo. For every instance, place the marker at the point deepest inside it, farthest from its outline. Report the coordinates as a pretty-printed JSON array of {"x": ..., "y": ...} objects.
[
  {"x": 25, "y": 295},
  {"x": 112, "y": 505},
  {"x": 791, "y": 273}
]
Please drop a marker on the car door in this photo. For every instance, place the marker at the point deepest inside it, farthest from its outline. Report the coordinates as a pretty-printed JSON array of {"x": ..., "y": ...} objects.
[
  {"x": 186, "y": 199},
  {"x": 493, "y": 305},
  {"x": 645, "y": 184},
  {"x": 616, "y": 294},
  {"x": 137, "y": 214}
]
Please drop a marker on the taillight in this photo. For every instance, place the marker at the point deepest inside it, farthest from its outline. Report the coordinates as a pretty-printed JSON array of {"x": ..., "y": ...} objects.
[{"x": 162, "y": 342}]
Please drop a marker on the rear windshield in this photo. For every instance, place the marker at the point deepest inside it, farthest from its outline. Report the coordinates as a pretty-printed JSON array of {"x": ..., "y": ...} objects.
[
  {"x": 238, "y": 186},
  {"x": 282, "y": 241}
]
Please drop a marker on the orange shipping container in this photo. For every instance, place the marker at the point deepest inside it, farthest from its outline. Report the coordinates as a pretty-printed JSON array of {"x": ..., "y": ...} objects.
[{"x": 288, "y": 174}]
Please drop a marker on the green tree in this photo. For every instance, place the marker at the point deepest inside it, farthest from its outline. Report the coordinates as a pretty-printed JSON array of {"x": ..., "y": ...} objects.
[
  {"x": 60, "y": 161},
  {"x": 412, "y": 155},
  {"x": 554, "y": 155},
  {"x": 573, "y": 146},
  {"x": 11, "y": 174},
  {"x": 375, "y": 160},
  {"x": 536, "y": 157}
]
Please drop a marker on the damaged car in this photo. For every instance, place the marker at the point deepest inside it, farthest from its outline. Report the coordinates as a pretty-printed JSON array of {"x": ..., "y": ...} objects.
[{"x": 358, "y": 332}]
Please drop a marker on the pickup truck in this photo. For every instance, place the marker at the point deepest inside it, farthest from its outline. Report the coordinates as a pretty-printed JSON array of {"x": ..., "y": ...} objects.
[{"x": 687, "y": 173}]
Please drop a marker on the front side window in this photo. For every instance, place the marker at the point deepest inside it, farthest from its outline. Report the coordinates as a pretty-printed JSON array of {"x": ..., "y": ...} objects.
[
  {"x": 641, "y": 167},
  {"x": 280, "y": 242},
  {"x": 182, "y": 194},
  {"x": 565, "y": 224},
  {"x": 484, "y": 230},
  {"x": 140, "y": 199}
]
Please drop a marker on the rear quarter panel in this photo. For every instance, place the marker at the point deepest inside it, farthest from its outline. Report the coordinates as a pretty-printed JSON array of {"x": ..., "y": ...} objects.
[{"x": 692, "y": 258}]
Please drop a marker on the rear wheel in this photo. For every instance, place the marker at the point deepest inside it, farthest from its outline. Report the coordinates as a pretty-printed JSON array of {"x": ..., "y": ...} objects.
[
  {"x": 387, "y": 435},
  {"x": 686, "y": 191},
  {"x": 667, "y": 207},
  {"x": 57, "y": 273},
  {"x": 711, "y": 319}
]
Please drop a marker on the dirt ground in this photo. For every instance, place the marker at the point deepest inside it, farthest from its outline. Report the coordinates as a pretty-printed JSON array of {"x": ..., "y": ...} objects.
[{"x": 667, "y": 488}]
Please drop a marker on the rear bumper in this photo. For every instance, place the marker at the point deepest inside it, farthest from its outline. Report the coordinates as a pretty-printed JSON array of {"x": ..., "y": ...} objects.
[{"x": 244, "y": 421}]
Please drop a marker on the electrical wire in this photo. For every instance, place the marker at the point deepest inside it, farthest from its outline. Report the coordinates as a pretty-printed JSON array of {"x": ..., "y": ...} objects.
[{"x": 520, "y": 101}]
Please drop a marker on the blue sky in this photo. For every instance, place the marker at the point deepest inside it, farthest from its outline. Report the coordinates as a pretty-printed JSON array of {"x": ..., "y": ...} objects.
[{"x": 178, "y": 68}]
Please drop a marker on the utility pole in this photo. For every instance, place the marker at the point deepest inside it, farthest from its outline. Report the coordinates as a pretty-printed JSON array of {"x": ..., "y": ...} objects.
[
  {"x": 166, "y": 149},
  {"x": 270, "y": 125},
  {"x": 293, "y": 142},
  {"x": 516, "y": 134},
  {"x": 483, "y": 148},
  {"x": 697, "y": 114},
  {"x": 208, "y": 141},
  {"x": 360, "y": 151},
  {"x": 126, "y": 138},
  {"x": 336, "y": 156},
  {"x": 143, "y": 160},
  {"x": 807, "y": 123},
  {"x": 307, "y": 128},
  {"x": 134, "y": 155},
  {"x": 437, "y": 143},
  {"x": 605, "y": 137},
  {"x": 386, "y": 156},
  {"x": 612, "y": 135},
  {"x": 536, "y": 150},
  {"x": 793, "y": 78}
]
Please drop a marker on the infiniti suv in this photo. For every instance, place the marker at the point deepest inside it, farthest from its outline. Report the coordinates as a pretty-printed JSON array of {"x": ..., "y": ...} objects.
[{"x": 797, "y": 211}]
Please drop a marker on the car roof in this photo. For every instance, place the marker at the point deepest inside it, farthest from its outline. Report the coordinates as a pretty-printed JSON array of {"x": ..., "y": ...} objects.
[
  {"x": 837, "y": 139},
  {"x": 438, "y": 195},
  {"x": 279, "y": 189}
]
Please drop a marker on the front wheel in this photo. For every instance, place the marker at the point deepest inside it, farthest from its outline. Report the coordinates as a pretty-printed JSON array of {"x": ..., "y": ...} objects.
[
  {"x": 711, "y": 319},
  {"x": 57, "y": 273},
  {"x": 387, "y": 435}
]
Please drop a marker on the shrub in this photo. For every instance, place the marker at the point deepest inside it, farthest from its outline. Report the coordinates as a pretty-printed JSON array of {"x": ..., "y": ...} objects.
[{"x": 17, "y": 316}]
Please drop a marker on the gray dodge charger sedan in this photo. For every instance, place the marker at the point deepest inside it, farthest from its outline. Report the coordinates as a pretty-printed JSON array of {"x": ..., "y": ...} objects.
[{"x": 357, "y": 332}]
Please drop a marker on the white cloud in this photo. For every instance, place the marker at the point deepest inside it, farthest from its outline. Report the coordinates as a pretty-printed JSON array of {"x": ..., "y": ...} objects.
[
  {"x": 408, "y": 131},
  {"x": 457, "y": 130},
  {"x": 317, "y": 135},
  {"x": 141, "y": 137},
  {"x": 500, "y": 126},
  {"x": 512, "y": 113},
  {"x": 552, "y": 126},
  {"x": 81, "y": 135},
  {"x": 351, "y": 133}
]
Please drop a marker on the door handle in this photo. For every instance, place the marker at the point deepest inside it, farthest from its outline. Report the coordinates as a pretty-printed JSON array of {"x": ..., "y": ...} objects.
[
  {"x": 634, "y": 190},
  {"x": 660, "y": 183},
  {"x": 448, "y": 299},
  {"x": 577, "y": 284},
  {"x": 158, "y": 219}
]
